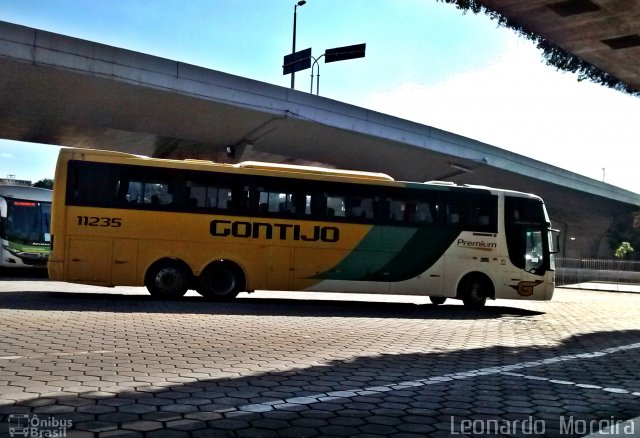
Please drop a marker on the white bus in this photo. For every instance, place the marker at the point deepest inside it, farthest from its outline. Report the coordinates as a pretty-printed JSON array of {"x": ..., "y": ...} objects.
[{"x": 25, "y": 217}]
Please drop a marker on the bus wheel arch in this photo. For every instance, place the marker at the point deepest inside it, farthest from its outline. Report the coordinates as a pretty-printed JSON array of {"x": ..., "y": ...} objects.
[
  {"x": 222, "y": 280},
  {"x": 474, "y": 289},
  {"x": 168, "y": 278}
]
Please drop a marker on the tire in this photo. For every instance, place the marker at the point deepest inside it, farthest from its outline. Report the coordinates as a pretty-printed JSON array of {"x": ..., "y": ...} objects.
[
  {"x": 475, "y": 290},
  {"x": 167, "y": 280},
  {"x": 437, "y": 300},
  {"x": 221, "y": 282}
]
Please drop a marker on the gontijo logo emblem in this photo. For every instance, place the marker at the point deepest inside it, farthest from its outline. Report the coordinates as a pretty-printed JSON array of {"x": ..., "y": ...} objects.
[{"x": 525, "y": 288}]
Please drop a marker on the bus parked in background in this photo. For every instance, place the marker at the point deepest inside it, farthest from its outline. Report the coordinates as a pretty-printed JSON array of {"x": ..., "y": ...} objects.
[
  {"x": 221, "y": 229},
  {"x": 25, "y": 216}
]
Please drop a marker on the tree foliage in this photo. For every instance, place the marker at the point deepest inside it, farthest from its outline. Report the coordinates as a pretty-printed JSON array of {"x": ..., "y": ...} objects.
[
  {"x": 623, "y": 250},
  {"x": 552, "y": 54},
  {"x": 624, "y": 231},
  {"x": 45, "y": 183}
]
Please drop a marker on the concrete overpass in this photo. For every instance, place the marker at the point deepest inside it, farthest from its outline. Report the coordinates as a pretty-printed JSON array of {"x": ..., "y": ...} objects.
[
  {"x": 60, "y": 90},
  {"x": 604, "y": 33}
]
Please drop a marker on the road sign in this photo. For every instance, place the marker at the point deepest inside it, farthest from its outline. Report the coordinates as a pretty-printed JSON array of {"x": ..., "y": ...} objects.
[
  {"x": 297, "y": 61},
  {"x": 343, "y": 53}
]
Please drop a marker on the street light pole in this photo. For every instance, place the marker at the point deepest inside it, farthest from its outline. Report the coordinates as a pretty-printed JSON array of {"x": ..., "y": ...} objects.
[
  {"x": 315, "y": 62},
  {"x": 293, "y": 48}
]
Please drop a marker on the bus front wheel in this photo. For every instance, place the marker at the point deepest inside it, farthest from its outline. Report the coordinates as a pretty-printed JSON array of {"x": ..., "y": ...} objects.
[
  {"x": 167, "y": 279},
  {"x": 221, "y": 282},
  {"x": 474, "y": 290}
]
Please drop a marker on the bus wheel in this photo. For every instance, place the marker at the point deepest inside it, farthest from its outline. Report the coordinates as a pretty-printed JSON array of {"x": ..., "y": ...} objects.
[
  {"x": 167, "y": 279},
  {"x": 221, "y": 282},
  {"x": 438, "y": 300},
  {"x": 474, "y": 290}
]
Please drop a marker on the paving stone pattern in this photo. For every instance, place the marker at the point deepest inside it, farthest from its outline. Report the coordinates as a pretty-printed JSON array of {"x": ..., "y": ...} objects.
[{"x": 114, "y": 362}]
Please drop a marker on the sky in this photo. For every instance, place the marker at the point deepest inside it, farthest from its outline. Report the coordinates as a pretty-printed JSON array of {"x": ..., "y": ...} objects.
[{"x": 425, "y": 61}]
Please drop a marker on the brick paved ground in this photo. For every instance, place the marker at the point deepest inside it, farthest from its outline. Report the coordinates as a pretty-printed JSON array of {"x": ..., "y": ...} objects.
[{"x": 114, "y": 362}]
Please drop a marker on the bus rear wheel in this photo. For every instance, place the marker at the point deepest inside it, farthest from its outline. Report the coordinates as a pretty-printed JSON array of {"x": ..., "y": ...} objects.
[
  {"x": 438, "y": 300},
  {"x": 167, "y": 279},
  {"x": 474, "y": 290},
  {"x": 221, "y": 282}
]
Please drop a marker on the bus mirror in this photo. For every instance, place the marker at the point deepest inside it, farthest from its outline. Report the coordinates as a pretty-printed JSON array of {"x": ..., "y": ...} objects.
[{"x": 554, "y": 241}]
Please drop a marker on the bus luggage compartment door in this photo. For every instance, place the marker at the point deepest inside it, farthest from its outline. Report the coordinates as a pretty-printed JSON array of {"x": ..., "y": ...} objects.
[
  {"x": 88, "y": 261},
  {"x": 279, "y": 274},
  {"x": 125, "y": 257}
]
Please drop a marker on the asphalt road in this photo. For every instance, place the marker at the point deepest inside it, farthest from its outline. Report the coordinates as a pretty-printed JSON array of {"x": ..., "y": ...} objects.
[{"x": 91, "y": 361}]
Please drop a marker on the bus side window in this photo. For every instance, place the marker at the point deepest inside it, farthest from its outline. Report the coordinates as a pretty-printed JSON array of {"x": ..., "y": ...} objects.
[
  {"x": 301, "y": 204},
  {"x": 453, "y": 215},
  {"x": 219, "y": 197},
  {"x": 396, "y": 210},
  {"x": 359, "y": 208},
  {"x": 197, "y": 195},
  {"x": 157, "y": 194},
  {"x": 134, "y": 193},
  {"x": 382, "y": 206},
  {"x": 91, "y": 184},
  {"x": 274, "y": 202},
  {"x": 335, "y": 206},
  {"x": 367, "y": 208},
  {"x": 211, "y": 196},
  {"x": 421, "y": 213}
]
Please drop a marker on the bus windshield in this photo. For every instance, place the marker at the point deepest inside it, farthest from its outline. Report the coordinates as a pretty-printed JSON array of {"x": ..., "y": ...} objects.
[
  {"x": 527, "y": 231},
  {"x": 28, "y": 222}
]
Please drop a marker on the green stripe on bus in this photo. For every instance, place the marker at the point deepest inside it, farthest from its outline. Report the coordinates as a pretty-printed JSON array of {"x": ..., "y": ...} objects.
[{"x": 393, "y": 254}]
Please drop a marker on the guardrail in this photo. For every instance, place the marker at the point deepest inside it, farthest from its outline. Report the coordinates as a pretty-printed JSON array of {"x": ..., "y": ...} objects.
[{"x": 578, "y": 270}]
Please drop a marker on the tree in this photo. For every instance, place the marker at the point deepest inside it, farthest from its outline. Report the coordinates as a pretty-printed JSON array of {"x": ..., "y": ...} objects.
[
  {"x": 623, "y": 250},
  {"x": 46, "y": 183},
  {"x": 552, "y": 54}
]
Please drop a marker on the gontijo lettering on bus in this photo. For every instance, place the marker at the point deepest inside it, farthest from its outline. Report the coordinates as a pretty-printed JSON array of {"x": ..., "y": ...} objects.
[{"x": 243, "y": 229}]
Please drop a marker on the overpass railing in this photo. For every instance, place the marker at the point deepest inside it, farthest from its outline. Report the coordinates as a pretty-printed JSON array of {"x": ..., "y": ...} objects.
[{"x": 580, "y": 270}]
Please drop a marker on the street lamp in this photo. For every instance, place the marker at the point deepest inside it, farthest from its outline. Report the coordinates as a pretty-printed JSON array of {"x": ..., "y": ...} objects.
[
  {"x": 293, "y": 49},
  {"x": 336, "y": 54},
  {"x": 315, "y": 62}
]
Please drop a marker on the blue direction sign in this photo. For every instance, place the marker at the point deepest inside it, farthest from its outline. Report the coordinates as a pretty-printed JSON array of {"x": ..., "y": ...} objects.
[{"x": 296, "y": 61}]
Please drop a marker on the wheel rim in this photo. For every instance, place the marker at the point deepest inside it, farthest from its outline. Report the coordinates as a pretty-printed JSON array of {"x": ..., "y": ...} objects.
[{"x": 168, "y": 281}]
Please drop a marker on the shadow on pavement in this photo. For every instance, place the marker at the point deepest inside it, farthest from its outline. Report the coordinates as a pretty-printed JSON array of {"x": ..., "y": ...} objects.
[
  {"x": 23, "y": 274},
  {"x": 110, "y": 302}
]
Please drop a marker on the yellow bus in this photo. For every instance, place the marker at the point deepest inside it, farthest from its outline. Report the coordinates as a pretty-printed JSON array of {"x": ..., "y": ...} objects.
[{"x": 173, "y": 225}]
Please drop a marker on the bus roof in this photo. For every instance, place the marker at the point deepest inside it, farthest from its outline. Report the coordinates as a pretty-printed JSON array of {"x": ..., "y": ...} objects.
[
  {"x": 26, "y": 193},
  {"x": 310, "y": 172},
  {"x": 259, "y": 165},
  {"x": 265, "y": 168}
]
